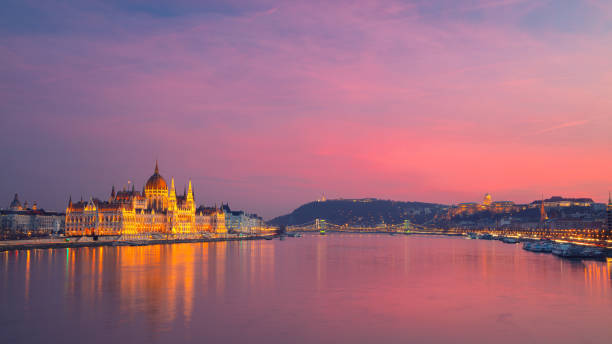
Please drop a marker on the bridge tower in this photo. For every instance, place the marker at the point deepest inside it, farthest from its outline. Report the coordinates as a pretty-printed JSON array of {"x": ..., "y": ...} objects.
[
  {"x": 407, "y": 225},
  {"x": 320, "y": 224}
]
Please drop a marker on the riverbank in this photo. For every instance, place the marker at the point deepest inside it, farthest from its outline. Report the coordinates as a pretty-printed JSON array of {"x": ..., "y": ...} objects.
[
  {"x": 564, "y": 249},
  {"x": 560, "y": 248},
  {"x": 57, "y": 243}
]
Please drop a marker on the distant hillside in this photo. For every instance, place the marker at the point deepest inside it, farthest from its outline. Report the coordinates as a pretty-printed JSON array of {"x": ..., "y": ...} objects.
[{"x": 365, "y": 212}]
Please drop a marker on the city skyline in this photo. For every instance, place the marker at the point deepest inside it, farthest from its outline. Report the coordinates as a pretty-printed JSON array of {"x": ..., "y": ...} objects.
[
  {"x": 130, "y": 186},
  {"x": 268, "y": 104}
]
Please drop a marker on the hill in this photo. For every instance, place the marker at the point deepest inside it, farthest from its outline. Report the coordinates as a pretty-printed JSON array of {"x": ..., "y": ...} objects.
[{"x": 364, "y": 212}]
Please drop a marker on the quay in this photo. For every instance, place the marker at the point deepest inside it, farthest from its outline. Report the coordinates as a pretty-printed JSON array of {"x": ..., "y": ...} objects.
[{"x": 76, "y": 242}]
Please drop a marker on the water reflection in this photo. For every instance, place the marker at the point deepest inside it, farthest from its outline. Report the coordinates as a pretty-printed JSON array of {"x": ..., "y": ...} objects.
[
  {"x": 598, "y": 277},
  {"x": 350, "y": 288},
  {"x": 27, "y": 278}
]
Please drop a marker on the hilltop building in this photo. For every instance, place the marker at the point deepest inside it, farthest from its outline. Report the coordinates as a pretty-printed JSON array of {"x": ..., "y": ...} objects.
[
  {"x": 22, "y": 220},
  {"x": 156, "y": 209},
  {"x": 487, "y": 200},
  {"x": 558, "y": 202},
  {"x": 487, "y": 204}
]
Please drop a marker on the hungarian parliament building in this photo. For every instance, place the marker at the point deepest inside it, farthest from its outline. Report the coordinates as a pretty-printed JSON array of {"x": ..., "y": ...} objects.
[{"x": 157, "y": 209}]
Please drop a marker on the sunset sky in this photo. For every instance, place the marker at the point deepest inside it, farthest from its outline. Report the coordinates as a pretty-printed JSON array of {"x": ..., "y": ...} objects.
[{"x": 268, "y": 104}]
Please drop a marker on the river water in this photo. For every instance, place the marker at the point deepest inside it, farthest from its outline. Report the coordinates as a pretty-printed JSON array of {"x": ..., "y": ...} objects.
[{"x": 338, "y": 288}]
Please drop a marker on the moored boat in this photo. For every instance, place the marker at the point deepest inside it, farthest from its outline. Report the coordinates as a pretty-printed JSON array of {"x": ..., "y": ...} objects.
[
  {"x": 510, "y": 240},
  {"x": 568, "y": 250},
  {"x": 538, "y": 246}
]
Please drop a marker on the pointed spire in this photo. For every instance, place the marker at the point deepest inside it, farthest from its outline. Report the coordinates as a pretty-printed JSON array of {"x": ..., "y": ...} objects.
[
  {"x": 113, "y": 192},
  {"x": 70, "y": 202},
  {"x": 184, "y": 191},
  {"x": 172, "y": 188},
  {"x": 190, "y": 192},
  {"x": 172, "y": 196},
  {"x": 543, "y": 215},
  {"x": 156, "y": 168},
  {"x": 133, "y": 188}
]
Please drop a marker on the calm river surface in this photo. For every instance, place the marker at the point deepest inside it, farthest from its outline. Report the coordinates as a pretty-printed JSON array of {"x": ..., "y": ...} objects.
[{"x": 339, "y": 288}]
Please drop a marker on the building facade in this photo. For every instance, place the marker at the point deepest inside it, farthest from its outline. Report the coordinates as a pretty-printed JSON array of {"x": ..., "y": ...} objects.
[
  {"x": 239, "y": 221},
  {"x": 561, "y": 202},
  {"x": 21, "y": 220},
  {"x": 487, "y": 204},
  {"x": 157, "y": 209}
]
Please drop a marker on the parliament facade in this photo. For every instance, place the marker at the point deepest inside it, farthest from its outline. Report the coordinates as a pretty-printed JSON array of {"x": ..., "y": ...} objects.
[{"x": 156, "y": 209}]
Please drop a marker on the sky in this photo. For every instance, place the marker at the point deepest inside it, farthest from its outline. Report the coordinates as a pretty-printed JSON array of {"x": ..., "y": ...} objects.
[{"x": 271, "y": 104}]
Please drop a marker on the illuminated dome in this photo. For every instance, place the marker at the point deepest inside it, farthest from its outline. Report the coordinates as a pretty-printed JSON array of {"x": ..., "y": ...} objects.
[
  {"x": 487, "y": 199},
  {"x": 156, "y": 181}
]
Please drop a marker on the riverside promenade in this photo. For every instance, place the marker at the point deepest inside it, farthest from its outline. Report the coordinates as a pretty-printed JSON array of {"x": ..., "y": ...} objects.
[{"x": 75, "y": 242}]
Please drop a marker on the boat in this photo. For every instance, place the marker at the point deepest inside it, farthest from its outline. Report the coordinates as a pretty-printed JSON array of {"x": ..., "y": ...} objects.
[
  {"x": 485, "y": 236},
  {"x": 322, "y": 232},
  {"x": 538, "y": 246},
  {"x": 568, "y": 250},
  {"x": 510, "y": 240}
]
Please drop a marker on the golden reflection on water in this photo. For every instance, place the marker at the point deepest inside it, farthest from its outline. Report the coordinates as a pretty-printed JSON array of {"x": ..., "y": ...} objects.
[
  {"x": 157, "y": 280},
  {"x": 161, "y": 282},
  {"x": 220, "y": 250},
  {"x": 27, "y": 277},
  {"x": 598, "y": 277}
]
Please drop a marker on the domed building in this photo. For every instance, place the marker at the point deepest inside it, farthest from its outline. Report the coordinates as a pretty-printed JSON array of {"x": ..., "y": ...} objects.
[
  {"x": 15, "y": 204},
  {"x": 156, "y": 191},
  {"x": 20, "y": 220},
  {"x": 487, "y": 200},
  {"x": 156, "y": 210}
]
